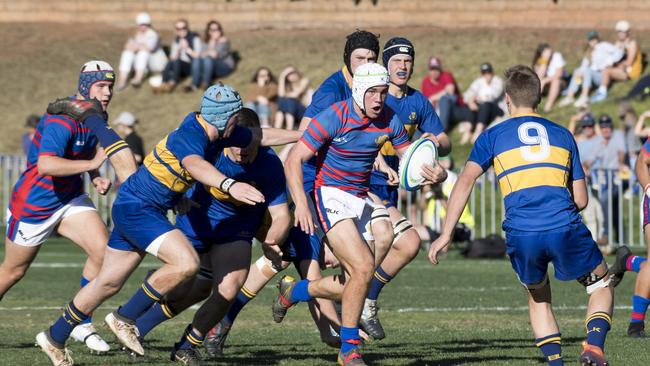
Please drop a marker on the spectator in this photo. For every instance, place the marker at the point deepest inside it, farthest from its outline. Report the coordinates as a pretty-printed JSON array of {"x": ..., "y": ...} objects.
[
  {"x": 30, "y": 124},
  {"x": 549, "y": 66},
  {"x": 575, "y": 123},
  {"x": 262, "y": 92},
  {"x": 633, "y": 143},
  {"x": 183, "y": 59},
  {"x": 629, "y": 66},
  {"x": 598, "y": 57},
  {"x": 483, "y": 98},
  {"x": 587, "y": 140},
  {"x": 216, "y": 59},
  {"x": 142, "y": 53},
  {"x": 440, "y": 87},
  {"x": 292, "y": 89},
  {"x": 640, "y": 130},
  {"x": 125, "y": 126}
]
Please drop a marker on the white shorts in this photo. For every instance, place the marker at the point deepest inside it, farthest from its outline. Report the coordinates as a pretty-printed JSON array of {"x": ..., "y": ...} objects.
[
  {"x": 334, "y": 205},
  {"x": 34, "y": 234}
]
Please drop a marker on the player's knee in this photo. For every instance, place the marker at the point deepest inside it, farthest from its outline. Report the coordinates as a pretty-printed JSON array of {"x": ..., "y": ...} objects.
[
  {"x": 408, "y": 244},
  {"x": 189, "y": 267},
  {"x": 594, "y": 282},
  {"x": 15, "y": 274},
  {"x": 363, "y": 268}
]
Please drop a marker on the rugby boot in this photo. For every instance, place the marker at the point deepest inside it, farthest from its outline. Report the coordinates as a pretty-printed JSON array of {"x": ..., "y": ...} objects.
[
  {"x": 636, "y": 330},
  {"x": 592, "y": 355},
  {"x": 283, "y": 302},
  {"x": 216, "y": 338},
  {"x": 127, "y": 334},
  {"x": 86, "y": 333},
  {"x": 620, "y": 265},
  {"x": 59, "y": 356},
  {"x": 369, "y": 321},
  {"x": 187, "y": 356},
  {"x": 351, "y": 358}
]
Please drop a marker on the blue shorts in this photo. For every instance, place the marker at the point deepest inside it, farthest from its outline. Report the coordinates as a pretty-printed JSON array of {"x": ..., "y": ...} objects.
[
  {"x": 300, "y": 246},
  {"x": 387, "y": 194},
  {"x": 571, "y": 249},
  {"x": 203, "y": 245},
  {"x": 137, "y": 226}
]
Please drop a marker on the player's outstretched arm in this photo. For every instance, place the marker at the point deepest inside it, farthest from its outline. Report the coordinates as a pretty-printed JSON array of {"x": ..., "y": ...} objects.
[
  {"x": 275, "y": 136},
  {"x": 457, "y": 201},
  {"x": 57, "y": 166},
  {"x": 293, "y": 171},
  {"x": 280, "y": 224}
]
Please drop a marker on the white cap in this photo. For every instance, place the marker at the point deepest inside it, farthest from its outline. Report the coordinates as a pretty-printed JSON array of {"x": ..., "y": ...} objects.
[
  {"x": 125, "y": 118},
  {"x": 622, "y": 26},
  {"x": 365, "y": 77},
  {"x": 143, "y": 18}
]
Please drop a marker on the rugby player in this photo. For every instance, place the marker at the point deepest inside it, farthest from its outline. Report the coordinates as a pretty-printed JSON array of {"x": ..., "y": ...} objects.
[
  {"x": 185, "y": 156},
  {"x": 416, "y": 113},
  {"x": 543, "y": 184},
  {"x": 347, "y": 136}
]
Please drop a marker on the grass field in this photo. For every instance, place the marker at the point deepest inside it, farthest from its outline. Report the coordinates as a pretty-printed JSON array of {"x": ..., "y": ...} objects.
[{"x": 463, "y": 312}]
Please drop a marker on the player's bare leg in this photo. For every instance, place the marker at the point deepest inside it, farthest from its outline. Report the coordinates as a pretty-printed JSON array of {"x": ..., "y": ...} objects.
[
  {"x": 16, "y": 262},
  {"x": 543, "y": 323},
  {"x": 598, "y": 322}
]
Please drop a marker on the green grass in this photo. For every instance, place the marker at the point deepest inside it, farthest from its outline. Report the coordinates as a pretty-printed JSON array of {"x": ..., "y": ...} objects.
[{"x": 462, "y": 312}]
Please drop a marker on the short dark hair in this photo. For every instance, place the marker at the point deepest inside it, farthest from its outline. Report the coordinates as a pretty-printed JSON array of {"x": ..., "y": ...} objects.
[
  {"x": 248, "y": 118},
  {"x": 523, "y": 86}
]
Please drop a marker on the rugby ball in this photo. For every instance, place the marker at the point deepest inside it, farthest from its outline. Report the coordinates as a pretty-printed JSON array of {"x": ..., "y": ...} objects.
[{"x": 422, "y": 151}]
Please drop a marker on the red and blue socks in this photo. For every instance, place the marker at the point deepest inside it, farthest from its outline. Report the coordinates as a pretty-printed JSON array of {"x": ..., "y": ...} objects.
[
  {"x": 190, "y": 339},
  {"x": 551, "y": 347},
  {"x": 379, "y": 279},
  {"x": 61, "y": 329},
  {"x": 142, "y": 300},
  {"x": 243, "y": 297},
  {"x": 155, "y": 315},
  {"x": 300, "y": 292},
  {"x": 349, "y": 338},
  {"x": 639, "y": 309},
  {"x": 634, "y": 263},
  {"x": 598, "y": 324}
]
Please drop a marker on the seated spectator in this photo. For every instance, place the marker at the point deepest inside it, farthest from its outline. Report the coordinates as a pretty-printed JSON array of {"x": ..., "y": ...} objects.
[
  {"x": 30, "y": 124},
  {"x": 183, "y": 59},
  {"x": 292, "y": 89},
  {"x": 440, "y": 87},
  {"x": 142, "y": 53},
  {"x": 216, "y": 59},
  {"x": 549, "y": 66},
  {"x": 483, "y": 98},
  {"x": 598, "y": 56},
  {"x": 628, "y": 68},
  {"x": 262, "y": 92},
  {"x": 125, "y": 126}
]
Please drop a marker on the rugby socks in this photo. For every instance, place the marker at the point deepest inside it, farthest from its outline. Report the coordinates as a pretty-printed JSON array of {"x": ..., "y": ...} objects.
[
  {"x": 551, "y": 346},
  {"x": 61, "y": 329},
  {"x": 84, "y": 282},
  {"x": 155, "y": 315},
  {"x": 639, "y": 308},
  {"x": 189, "y": 339},
  {"x": 300, "y": 292},
  {"x": 634, "y": 263},
  {"x": 142, "y": 300},
  {"x": 243, "y": 297},
  {"x": 598, "y": 324},
  {"x": 379, "y": 280},
  {"x": 349, "y": 338}
]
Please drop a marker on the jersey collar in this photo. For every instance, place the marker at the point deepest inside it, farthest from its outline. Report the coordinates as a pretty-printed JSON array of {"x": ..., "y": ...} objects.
[{"x": 347, "y": 76}]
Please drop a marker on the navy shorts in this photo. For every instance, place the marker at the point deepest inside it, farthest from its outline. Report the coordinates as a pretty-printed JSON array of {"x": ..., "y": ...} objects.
[
  {"x": 387, "y": 194},
  {"x": 300, "y": 246},
  {"x": 571, "y": 249}
]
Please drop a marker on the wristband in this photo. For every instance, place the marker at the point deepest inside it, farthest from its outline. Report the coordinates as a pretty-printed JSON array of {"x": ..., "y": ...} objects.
[{"x": 226, "y": 184}]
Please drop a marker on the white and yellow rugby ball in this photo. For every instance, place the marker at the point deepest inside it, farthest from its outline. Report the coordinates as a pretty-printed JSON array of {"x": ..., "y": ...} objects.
[{"x": 422, "y": 151}]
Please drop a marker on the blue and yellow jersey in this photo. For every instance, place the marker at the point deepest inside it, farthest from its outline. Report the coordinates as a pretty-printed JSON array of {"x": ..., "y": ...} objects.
[
  {"x": 162, "y": 178},
  {"x": 220, "y": 218},
  {"x": 416, "y": 113},
  {"x": 535, "y": 161}
]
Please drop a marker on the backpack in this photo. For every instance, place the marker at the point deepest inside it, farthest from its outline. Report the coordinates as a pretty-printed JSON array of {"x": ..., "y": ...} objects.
[{"x": 492, "y": 246}]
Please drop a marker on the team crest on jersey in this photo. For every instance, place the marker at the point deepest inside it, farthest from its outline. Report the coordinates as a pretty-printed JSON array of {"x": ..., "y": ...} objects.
[{"x": 381, "y": 140}]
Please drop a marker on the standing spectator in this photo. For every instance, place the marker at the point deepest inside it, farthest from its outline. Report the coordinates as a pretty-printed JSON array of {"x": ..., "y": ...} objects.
[
  {"x": 483, "y": 98},
  {"x": 216, "y": 59},
  {"x": 262, "y": 92},
  {"x": 183, "y": 59},
  {"x": 630, "y": 65},
  {"x": 587, "y": 140},
  {"x": 575, "y": 123},
  {"x": 440, "y": 87},
  {"x": 31, "y": 123},
  {"x": 633, "y": 143},
  {"x": 292, "y": 89},
  {"x": 549, "y": 67},
  {"x": 142, "y": 53},
  {"x": 125, "y": 126}
]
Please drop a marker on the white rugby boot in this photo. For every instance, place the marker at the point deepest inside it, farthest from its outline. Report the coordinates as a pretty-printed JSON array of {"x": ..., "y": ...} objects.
[
  {"x": 127, "y": 334},
  {"x": 58, "y": 356},
  {"x": 86, "y": 333}
]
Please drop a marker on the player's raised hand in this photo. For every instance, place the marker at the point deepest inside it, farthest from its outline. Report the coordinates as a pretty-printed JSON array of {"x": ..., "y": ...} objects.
[
  {"x": 102, "y": 185},
  {"x": 303, "y": 218},
  {"x": 77, "y": 109},
  {"x": 246, "y": 193},
  {"x": 433, "y": 174},
  {"x": 437, "y": 246},
  {"x": 431, "y": 137}
]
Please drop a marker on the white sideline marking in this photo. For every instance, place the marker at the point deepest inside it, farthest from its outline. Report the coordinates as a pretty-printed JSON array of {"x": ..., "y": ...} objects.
[{"x": 494, "y": 309}]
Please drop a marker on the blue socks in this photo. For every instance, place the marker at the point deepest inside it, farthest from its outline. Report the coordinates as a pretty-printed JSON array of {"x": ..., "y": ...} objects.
[
  {"x": 634, "y": 263},
  {"x": 156, "y": 314},
  {"x": 379, "y": 279},
  {"x": 61, "y": 329},
  {"x": 598, "y": 324},
  {"x": 301, "y": 292},
  {"x": 551, "y": 346},
  {"x": 243, "y": 297},
  {"x": 142, "y": 300},
  {"x": 84, "y": 282},
  {"x": 349, "y": 338},
  {"x": 189, "y": 339},
  {"x": 639, "y": 308}
]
